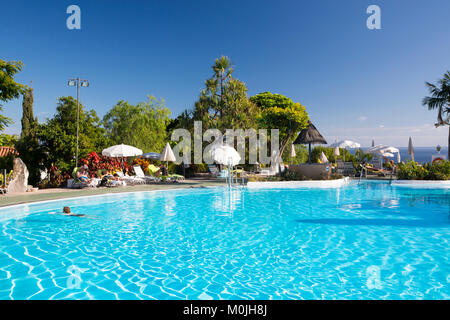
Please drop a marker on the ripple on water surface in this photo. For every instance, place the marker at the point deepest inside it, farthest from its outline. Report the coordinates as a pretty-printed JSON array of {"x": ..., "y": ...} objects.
[{"x": 367, "y": 241}]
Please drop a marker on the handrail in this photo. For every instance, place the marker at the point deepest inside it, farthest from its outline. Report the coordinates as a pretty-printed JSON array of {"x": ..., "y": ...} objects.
[
  {"x": 392, "y": 173},
  {"x": 361, "y": 172}
]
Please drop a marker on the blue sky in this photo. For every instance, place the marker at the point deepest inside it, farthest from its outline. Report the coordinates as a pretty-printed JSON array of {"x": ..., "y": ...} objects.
[{"x": 356, "y": 83}]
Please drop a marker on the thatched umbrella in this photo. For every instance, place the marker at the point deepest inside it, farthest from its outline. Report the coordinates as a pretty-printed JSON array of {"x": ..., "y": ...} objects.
[{"x": 310, "y": 135}]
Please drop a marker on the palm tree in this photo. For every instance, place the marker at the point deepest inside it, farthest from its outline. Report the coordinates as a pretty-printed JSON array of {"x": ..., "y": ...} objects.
[
  {"x": 440, "y": 99},
  {"x": 222, "y": 71}
]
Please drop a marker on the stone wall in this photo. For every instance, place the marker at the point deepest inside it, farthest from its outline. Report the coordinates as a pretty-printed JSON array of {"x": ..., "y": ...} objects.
[{"x": 315, "y": 171}]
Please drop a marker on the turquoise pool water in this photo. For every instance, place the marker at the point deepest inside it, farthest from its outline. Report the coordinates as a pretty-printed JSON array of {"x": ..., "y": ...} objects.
[{"x": 368, "y": 241}]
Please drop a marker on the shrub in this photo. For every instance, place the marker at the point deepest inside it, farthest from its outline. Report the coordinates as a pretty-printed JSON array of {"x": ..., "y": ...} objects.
[
  {"x": 289, "y": 175},
  {"x": 8, "y": 177},
  {"x": 97, "y": 163},
  {"x": 413, "y": 171},
  {"x": 199, "y": 168},
  {"x": 143, "y": 163}
]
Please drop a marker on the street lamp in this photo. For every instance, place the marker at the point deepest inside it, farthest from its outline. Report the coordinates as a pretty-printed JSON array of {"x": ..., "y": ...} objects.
[{"x": 83, "y": 83}]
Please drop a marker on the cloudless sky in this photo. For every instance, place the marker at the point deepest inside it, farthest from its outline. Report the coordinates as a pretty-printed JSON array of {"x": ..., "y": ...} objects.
[{"x": 356, "y": 83}]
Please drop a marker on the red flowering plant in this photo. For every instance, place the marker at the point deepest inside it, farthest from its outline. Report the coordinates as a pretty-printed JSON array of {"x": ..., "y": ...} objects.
[{"x": 97, "y": 163}]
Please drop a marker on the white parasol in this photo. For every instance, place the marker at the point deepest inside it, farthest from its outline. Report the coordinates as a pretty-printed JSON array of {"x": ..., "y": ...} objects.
[
  {"x": 121, "y": 151},
  {"x": 225, "y": 155}
]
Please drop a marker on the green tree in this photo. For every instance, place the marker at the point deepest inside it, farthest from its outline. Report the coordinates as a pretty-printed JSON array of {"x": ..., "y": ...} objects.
[
  {"x": 440, "y": 99},
  {"x": 8, "y": 140},
  {"x": 224, "y": 104},
  {"x": 58, "y": 135},
  {"x": 29, "y": 123},
  {"x": 9, "y": 89},
  {"x": 30, "y": 150},
  {"x": 280, "y": 112},
  {"x": 143, "y": 125}
]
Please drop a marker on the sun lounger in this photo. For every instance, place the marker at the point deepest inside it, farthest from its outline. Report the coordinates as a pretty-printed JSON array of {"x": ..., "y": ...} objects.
[
  {"x": 76, "y": 183},
  {"x": 377, "y": 171},
  {"x": 140, "y": 175},
  {"x": 130, "y": 180},
  {"x": 345, "y": 168},
  {"x": 213, "y": 170},
  {"x": 267, "y": 172},
  {"x": 176, "y": 177}
]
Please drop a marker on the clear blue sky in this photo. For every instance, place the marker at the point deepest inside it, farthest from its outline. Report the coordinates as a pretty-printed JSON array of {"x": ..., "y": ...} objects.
[{"x": 356, "y": 83}]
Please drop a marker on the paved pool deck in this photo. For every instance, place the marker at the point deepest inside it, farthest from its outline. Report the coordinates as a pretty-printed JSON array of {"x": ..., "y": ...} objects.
[{"x": 62, "y": 193}]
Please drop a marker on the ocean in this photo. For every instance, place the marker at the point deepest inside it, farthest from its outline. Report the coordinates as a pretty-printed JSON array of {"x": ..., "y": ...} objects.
[{"x": 421, "y": 154}]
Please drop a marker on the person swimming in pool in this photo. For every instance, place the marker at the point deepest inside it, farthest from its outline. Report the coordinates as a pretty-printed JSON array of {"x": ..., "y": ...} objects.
[{"x": 68, "y": 212}]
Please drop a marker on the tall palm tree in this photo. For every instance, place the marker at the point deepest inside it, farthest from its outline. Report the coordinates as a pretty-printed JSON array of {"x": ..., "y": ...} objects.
[
  {"x": 222, "y": 71},
  {"x": 440, "y": 99}
]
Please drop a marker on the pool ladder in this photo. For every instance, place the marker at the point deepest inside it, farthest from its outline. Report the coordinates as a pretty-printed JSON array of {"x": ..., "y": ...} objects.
[
  {"x": 365, "y": 170},
  {"x": 232, "y": 177}
]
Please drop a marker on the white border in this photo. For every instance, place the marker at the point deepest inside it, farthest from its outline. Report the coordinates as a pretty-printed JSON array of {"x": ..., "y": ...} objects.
[
  {"x": 90, "y": 196},
  {"x": 300, "y": 184},
  {"x": 441, "y": 184}
]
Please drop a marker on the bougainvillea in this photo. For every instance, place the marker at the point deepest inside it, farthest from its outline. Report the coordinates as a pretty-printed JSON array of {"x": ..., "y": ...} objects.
[{"x": 97, "y": 163}]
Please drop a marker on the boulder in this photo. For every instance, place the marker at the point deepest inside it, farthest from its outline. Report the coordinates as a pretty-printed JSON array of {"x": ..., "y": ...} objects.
[{"x": 19, "y": 182}]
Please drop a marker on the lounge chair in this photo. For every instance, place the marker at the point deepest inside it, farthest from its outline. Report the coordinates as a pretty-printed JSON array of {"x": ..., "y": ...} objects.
[
  {"x": 345, "y": 168},
  {"x": 76, "y": 183},
  {"x": 176, "y": 177},
  {"x": 213, "y": 170},
  {"x": 378, "y": 171},
  {"x": 130, "y": 180},
  {"x": 140, "y": 175},
  {"x": 267, "y": 172}
]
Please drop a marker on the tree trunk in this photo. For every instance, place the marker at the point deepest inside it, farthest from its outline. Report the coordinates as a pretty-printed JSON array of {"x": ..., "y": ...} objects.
[
  {"x": 283, "y": 146},
  {"x": 221, "y": 95},
  {"x": 448, "y": 144}
]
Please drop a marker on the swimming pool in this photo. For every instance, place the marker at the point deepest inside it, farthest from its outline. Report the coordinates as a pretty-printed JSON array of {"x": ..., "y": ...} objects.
[{"x": 366, "y": 241}]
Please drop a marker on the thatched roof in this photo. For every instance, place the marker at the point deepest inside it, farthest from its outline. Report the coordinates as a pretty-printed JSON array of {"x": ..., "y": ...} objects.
[{"x": 310, "y": 135}]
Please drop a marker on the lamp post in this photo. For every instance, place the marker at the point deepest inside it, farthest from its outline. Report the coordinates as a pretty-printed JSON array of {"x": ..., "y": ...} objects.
[{"x": 83, "y": 83}]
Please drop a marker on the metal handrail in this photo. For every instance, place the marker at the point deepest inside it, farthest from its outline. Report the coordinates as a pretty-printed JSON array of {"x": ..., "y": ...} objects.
[{"x": 363, "y": 168}]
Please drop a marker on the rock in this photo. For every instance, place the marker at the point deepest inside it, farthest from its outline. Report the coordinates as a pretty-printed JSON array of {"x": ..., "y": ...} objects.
[{"x": 19, "y": 182}]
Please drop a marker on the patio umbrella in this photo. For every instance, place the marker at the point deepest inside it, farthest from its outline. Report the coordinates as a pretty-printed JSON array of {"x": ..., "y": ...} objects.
[
  {"x": 293, "y": 154},
  {"x": 336, "y": 152},
  {"x": 152, "y": 155},
  {"x": 225, "y": 155},
  {"x": 345, "y": 144},
  {"x": 411, "y": 149},
  {"x": 323, "y": 158},
  {"x": 121, "y": 151},
  {"x": 310, "y": 135},
  {"x": 167, "y": 155},
  {"x": 384, "y": 151}
]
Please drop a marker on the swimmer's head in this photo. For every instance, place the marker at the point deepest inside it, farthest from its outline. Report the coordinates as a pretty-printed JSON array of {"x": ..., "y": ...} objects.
[{"x": 66, "y": 210}]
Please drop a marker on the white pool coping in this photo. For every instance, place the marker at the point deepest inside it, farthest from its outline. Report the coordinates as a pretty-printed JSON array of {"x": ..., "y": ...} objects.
[
  {"x": 300, "y": 184},
  {"x": 444, "y": 184}
]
